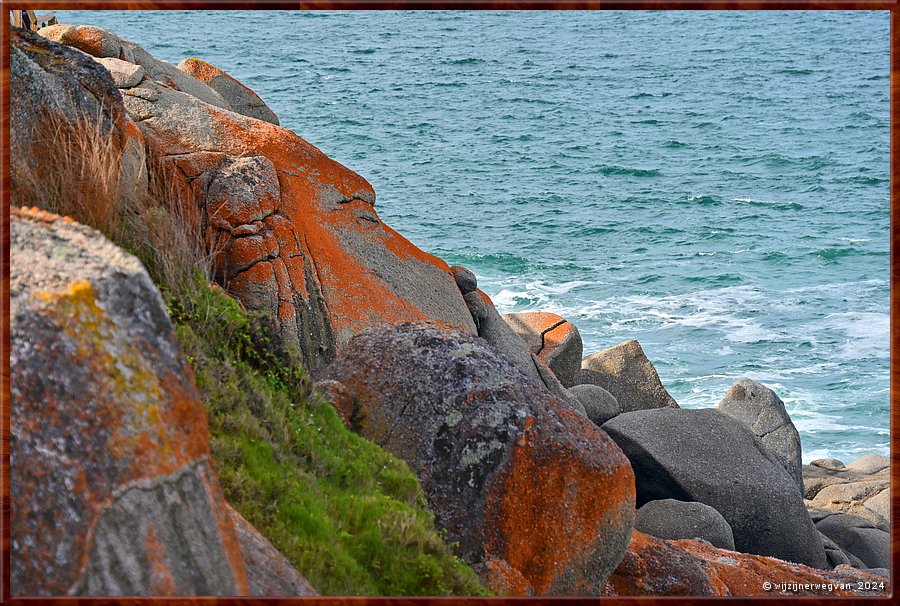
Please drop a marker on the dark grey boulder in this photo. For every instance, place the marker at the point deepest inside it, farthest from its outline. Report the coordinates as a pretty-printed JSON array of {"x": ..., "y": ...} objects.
[
  {"x": 834, "y": 553},
  {"x": 599, "y": 405},
  {"x": 465, "y": 279},
  {"x": 674, "y": 519},
  {"x": 704, "y": 456},
  {"x": 519, "y": 480},
  {"x": 626, "y": 373},
  {"x": 858, "y": 537},
  {"x": 495, "y": 331},
  {"x": 760, "y": 409}
]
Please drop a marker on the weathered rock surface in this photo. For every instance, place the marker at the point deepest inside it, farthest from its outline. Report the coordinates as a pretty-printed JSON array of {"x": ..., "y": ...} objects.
[
  {"x": 101, "y": 43},
  {"x": 870, "y": 463},
  {"x": 703, "y": 455},
  {"x": 465, "y": 279},
  {"x": 657, "y": 567},
  {"x": 90, "y": 39},
  {"x": 57, "y": 85},
  {"x": 269, "y": 573},
  {"x": 760, "y": 409},
  {"x": 112, "y": 492},
  {"x": 500, "y": 335},
  {"x": 858, "y": 537},
  {"x": 538, "y": 498},
  {"x": 626, "y": 373},
  {"x": 239, "y": 97},
  {"x": 599, "y": 405},
  {"x": 312, "y": 252},
  {"x": 833, "y": 464},
  {"x": 124, "y": 74},
  {"x": 553, "y": 339},
  {"x": 673, "y": 519}
]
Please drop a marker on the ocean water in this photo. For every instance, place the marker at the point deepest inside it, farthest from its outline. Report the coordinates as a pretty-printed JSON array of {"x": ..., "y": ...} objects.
[{"x": 713, "y": 184}]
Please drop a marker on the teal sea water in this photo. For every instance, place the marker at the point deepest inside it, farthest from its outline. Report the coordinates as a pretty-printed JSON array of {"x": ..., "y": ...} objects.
[{"x": 713, "y": 184}]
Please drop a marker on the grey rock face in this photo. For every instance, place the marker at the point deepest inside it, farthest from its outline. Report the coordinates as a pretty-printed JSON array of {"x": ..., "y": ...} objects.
[
  {"x": 599, "y": 405},
  {"x": 673, "y": 519},
  {"x": 760, "y": 409},
  {"x": 518, "y": 478},
  {"x": 495, "y": 331},
  {"x": 626, "y": 373},
  {"x": 111, "y": 492},
  {"x": 50, "y": 81},
  {"x": 704, "y": 456},
  {"x": 857, "y": 536},
  {"x": 465, "y": 279},
  {"x": 834, "y": 553},
  {"x": 828, "y": 463},
  {"x": 269, "y": 573}
]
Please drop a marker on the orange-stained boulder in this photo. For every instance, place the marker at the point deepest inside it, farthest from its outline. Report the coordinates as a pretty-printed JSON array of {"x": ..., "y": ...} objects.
[
  {"x": 539, "y": 499},
  {"x": 296, "y": 234},
  {"x": 112, "y": 492},
  {"x": 554, "y": 340},
  {"x": 242, "y": 99},
  {"x": 300, "y": 237},
  {"x": 657, "y": 567}
]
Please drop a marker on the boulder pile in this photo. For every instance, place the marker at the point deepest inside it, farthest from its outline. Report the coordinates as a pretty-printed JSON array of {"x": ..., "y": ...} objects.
[{"x": 550, "y": 472}]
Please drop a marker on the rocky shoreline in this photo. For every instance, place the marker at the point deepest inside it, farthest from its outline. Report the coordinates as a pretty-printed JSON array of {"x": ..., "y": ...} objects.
[{"x": 550, "y": 472}]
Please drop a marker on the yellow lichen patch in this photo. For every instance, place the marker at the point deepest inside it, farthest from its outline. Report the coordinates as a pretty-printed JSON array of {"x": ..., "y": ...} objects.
[{"x": 129, "y": 398}]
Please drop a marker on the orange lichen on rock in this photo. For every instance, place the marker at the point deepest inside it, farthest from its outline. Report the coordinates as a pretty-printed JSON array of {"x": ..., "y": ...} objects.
[
  {"x": 122, "y": 432},
  {"x": 345, "y": 269},
  {"x": 657, "y": 567},
  {"x": 555, "y": 546}
]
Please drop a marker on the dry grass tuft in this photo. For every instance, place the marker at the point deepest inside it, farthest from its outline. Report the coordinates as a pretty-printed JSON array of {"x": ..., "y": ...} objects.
[{"x": 77, "y": 170}]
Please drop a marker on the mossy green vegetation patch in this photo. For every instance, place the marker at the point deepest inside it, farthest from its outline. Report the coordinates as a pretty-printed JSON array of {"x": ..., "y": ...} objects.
[{"x": 348, "y": 515}]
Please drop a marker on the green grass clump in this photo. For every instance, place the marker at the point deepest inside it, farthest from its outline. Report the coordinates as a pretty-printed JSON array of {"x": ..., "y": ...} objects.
[{"x": 348, "y": 515}]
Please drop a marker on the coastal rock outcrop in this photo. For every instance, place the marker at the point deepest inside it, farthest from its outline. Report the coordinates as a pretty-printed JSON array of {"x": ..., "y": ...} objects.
[
  {"x": 539, "y": 500},
  {"x": 553, "y": 339},
  {"x": 858, "y": 537},
  {"x": 112, "y": 488},
  {"x": 658, "y": 567},
  {"x": 704, "y": 456},
  {"x": 626, "y": 373},
  {"x": 674, "y": 519},
  {"x": 760, "y": 409},
  {"x": 239, "y": 97},
  {"x": 112, "y": 492},
  {"x": 313, "y": 253}
]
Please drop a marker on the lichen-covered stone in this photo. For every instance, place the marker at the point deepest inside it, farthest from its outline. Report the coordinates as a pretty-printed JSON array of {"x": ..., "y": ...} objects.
[
  {"x": 657, "y": 567},
  {"x": 112, "y": 492},
  {"x": 538, "y": 499},
  {"x": 553, "y": 339},
  {"x": 242, "y": 99},
  {"x": 314, "y": 254}
]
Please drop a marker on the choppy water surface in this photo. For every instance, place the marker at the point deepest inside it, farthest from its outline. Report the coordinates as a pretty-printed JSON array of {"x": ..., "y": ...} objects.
[{"x": 713, "y": 184}]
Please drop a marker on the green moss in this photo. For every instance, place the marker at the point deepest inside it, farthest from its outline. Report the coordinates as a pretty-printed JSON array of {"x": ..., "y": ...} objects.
[{"x": 347, "y": 514}]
